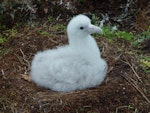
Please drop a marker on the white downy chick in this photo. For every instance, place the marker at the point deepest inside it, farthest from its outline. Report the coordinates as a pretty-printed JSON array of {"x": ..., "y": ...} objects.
[{"x": 75, "y": 66}]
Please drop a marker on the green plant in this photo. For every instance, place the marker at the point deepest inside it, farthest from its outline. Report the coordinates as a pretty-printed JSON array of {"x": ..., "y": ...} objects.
[
  {"x": 2, "y": 27},
  {"x": 10, "y": 33},
  {"x": 58, "y": 27},
  {"x": 5, "y": 35},
  {"x": 125, "y": 35},
  {"x": 95, "y": 19},
  {"x": 45, "y": 33},
  {"x": 50, "y": 19},
  {"x": 144, "y": 36},
  {"x": 109, "y": 33},
  {"x": 145, "y": 64},
  {"x": 130, "y": 107},
  {"x": 2, "y": 40}
]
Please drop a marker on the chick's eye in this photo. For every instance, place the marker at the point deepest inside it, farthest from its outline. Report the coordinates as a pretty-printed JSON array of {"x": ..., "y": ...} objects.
[{"x": 81, "y": 28}]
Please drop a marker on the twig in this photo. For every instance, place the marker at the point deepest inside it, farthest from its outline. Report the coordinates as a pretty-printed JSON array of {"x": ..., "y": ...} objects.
[
  {"x": 120, "y": 107},
  {"x": 58, "y": 16},
  {"x": 2, "y": 72},
  {"x": 22, "y": 53},
  {"x": 137, "y": 88},
  {"x": 23, "y": 106},
  {"x": 20, "y": 60},
  {"x": 133, "y": 70},
  {"x": 23, "y": 60},
  {"x": 28, "y": 64}
]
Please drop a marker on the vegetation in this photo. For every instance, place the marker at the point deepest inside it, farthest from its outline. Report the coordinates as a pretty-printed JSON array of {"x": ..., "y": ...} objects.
[
  {"x": 111, "y": 34},
  {"x": 145, "y": 63},
  {"x": 2, "y": 40},
  {"x": 144, "y": 36},
  {"x": 12, "y": 12}
]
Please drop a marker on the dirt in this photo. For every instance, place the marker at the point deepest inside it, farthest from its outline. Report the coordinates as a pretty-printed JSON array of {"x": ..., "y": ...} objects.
[{"x": 125, "y": 89}]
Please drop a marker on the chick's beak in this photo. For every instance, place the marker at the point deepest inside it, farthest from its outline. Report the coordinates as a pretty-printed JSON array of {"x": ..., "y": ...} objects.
[{"x": 94, "y": 29}]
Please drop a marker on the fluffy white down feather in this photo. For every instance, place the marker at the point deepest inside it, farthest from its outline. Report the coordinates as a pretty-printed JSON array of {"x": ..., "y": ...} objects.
[{"x": 72, "y": 67}]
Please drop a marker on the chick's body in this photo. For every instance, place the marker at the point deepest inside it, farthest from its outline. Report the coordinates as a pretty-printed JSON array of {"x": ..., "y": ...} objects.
[{"x": 75, "y": 66}]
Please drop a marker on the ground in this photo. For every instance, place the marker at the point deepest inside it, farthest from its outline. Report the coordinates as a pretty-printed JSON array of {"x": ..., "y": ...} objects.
[{"x": 124, "y": 90}]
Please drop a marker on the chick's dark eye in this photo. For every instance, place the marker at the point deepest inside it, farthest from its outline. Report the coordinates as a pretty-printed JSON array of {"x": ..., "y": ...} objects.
[{"x": 81, "y": 28}]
